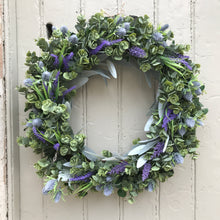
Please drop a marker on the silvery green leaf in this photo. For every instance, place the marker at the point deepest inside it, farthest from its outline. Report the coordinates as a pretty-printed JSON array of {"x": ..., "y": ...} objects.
[
  {"x": 68, "y": 106},
  {"x": 161, "y": 107},
  {"x": 64, "y": 175},
  {"x": 148, "y": 78},
  {"x": 149, "y": 123},
  {"x": 182, "y": 131},
  {"x": 67, "y": 164},
  {"x": 102, "y": 57},
  {"x": 166, "y": 143},
  {"x": 111, "y": 68},
  {"x": 142, "y": 148},
  {"x": 141, "y": 161},
  {"x": 110, "y": 159},
  {"x": 80, "y": 81},
  {"x": 89, "y": 73},
  {"x": 90, "y": 154},
  {"x": 147, "y": 140}
]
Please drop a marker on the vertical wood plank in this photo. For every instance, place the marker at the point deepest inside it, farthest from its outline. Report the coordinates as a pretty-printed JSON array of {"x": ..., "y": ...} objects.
[
  {"x": 60, "y": 14},
  {"x": 101, "y": 122},
  {"x": 207, "y": 49},
  {"x": 28, "y": 26},
  {"x": 135, "y": 103},
  {"x": 177, "y": 194}
]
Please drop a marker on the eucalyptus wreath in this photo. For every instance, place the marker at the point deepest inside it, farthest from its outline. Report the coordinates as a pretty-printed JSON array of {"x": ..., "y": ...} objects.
[{"x": 67, "y": 61}]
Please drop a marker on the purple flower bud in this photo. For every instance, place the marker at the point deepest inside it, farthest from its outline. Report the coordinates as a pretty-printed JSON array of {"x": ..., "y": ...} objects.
[
  {"x": 49, "y": 186},
  {"x": 57, "y": 197},
  {"x": 137, "y": 52},
  {"x": 146, "y": 171},
  {"x": 120, "y": 19},
  {"x": 164, "y": 27},
  {"x": 37, "y": 122},
  {"x": 157, "y": 36},
  {"x": 108, "y": 189},
  {"x": 121, "y": 31},
  {"x": 126, "y": 25},
  {"x": 196, "y": 84},
  {"x": 108, "y": 179},
  {"x": 190, "y": 122},
  {"x": 64, "y": 30},
  {"x": 28, "y": 82},
  {"x": 56, "y": 146},
  {"x": 198, "y": 91},
  {"x": 178, "y": 158},
  {"x": 150, "y": 187},
  {"x": 53, "y": 28},
  {"x": 41, "y": 64},
  {"x": 182, "y": 131},
  {"x": 29, "y": 125},
  {"x": 46, "y": 76},
  {"x": 73, "y": 39},
  {"x": 188, "y": 96},
  {"x": 98, "y": 188}
]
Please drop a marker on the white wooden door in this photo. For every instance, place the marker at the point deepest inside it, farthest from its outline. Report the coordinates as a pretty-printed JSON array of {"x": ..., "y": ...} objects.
[{"x": 111, "y": 116}]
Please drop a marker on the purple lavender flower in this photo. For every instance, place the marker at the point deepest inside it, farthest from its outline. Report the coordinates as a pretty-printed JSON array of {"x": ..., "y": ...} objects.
[
  {"x": 73, "y": 39},
  {"x": 37, "y": 122},
  {"x": 167, "y": 118},
  {"x": 108, "y": 189},
  {"x": 182, "y": 59},
  {"x": 188, "y": 96},
  {"x": 157, "y": 36},
  {"x": 56, "y": 146},
  {"x": 58, "y": 196},
  {"x": 150, "y": 187},
  {"x": 178, "y": 158},
  {"x": 146, "y": 171},
  {"x": 120, "y": 168},
  {"x": 56, "y": 59},
  {"x": 64, "y": 30},
  {"x": 81, "y": 178},
  {"x": 66, "y": 60},
  {"x": 137, "y": 52},
  {"x": 182, "y": 131},
  {"x": 126, "y": 25},
  {"x": 121, "y": 32},
  {"x": 28, "y": 82},
  {"x": 68, "y": 90},
  {"x": 158, "y": 150},
  {"x": 46, "y": 76},
  {"x": 38, "y": 135},
  {"x": 190, "y": 122},
  {"x": 49, "y": 186},
  {"x": 164, "y": 27},
  {"x": 103, "y": 44}
]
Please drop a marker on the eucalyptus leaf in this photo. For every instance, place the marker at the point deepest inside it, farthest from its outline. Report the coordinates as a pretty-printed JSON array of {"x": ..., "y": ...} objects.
[
  {"x": 148, "y": 78},
  {"x": 148, "y": 124},
  {"x": 111, "y": 68},
  {"x": 166, "y": 143},
  {"x": 80, "y": 81},
  {"x": 67, "y": 164},
  {"x": 142, "y": 148},
  {"x": 89, "y": 73},
  {"x": 148, "y": 140},
  {"x": 161, "y": 107},
  {"x": 141, "y": 161},
  {"x": 90, "y": 154}
]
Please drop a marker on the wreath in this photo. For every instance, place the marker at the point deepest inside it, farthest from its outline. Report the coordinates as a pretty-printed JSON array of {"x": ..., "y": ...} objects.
[{"x": 67, "y": 61}]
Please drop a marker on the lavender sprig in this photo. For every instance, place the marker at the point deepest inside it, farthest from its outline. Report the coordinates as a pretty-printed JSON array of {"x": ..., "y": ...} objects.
[
  {"x": 38, "y": 135},
  {"x": 83, "y": 177},
  {"x": 167, "y": 118},
  {"x": 103, "y": 43},
  {"x": 56, "y": 61},
  {"x": 56, "y": 146},
  {"x": 120, "y": 168},
  {"x": 66, "y": 60},
  {"x": 137, "y": 52},
  {"x": 158, "y": 150},
  {"x": 146, "y": 171},
  {"x": 179, "y": 58},
  {"x": 68, "y": 90}
]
